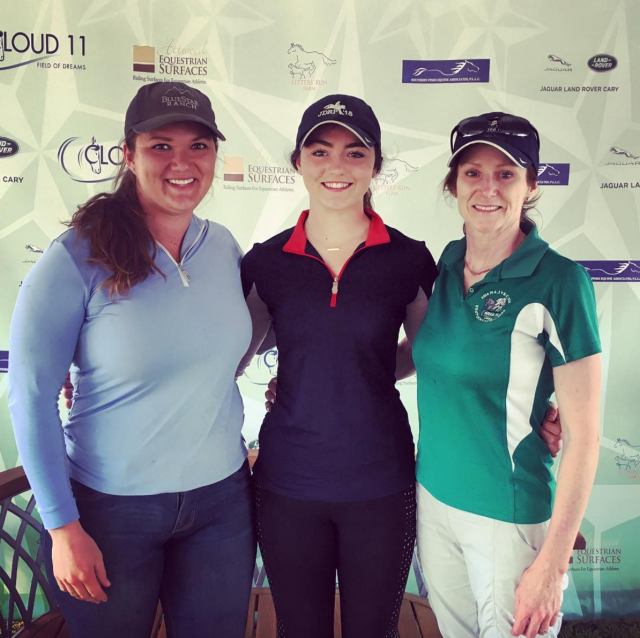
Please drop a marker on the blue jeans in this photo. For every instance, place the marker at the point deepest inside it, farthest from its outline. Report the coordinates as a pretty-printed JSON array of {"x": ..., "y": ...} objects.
[{"x": 195, "y": 551}]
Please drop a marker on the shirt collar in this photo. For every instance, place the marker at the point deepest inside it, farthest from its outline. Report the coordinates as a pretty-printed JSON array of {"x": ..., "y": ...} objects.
[
  {"x": 377, "y": 234},
  {"x": 520, "y": 263},
  {"x": 193, "y": 230}
]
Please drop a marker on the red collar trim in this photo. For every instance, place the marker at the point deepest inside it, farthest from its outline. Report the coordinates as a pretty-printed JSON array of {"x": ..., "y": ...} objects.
[{"x": 297, "y": 243}]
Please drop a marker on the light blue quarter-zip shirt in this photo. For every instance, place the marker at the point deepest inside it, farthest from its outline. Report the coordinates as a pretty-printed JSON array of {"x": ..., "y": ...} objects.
[{"x": 156, "y": 407}]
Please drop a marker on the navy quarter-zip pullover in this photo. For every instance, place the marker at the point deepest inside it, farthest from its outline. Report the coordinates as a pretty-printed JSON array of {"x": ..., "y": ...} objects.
[{"x": 338, "y": 430}]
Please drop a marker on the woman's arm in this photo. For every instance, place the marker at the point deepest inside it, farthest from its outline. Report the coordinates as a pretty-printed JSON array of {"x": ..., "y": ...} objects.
[
  {"x": 538, "y": 595},
  {"x": 260, "y": 324},
  {"x": 414, "y": 315},
  {"x": 45, "y": 328}
]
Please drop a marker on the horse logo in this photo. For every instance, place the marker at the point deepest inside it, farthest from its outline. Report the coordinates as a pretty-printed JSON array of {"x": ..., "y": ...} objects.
[
  {"x": 620, "y": 151},
  {"x": 295, "y": 71},
  {"x": 626, "y": 447},
  {"x": 337, "y": 108},
  {"x": 91, "y": 154},
  {"x": 559, "y": 60},
  {"x": 305, "y": 62},
  {"x": 625, "y": 462},
  {"x": 495, "y": 305},
  {"x": 454, "y": 70},
  {"x": 550, "y": 170},
  {"x": 392, "y": 169}
]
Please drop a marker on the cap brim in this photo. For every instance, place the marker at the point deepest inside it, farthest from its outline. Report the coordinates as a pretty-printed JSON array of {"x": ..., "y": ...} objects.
[
  {"x": 358, "y": 132},
  {"x": 172, "y": 118},
  {"x": 516, "y": 156}
]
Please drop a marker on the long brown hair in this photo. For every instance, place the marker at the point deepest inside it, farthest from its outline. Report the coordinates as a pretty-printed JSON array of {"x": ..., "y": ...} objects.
[
  {"x": 377, "y": 165},
  {"x": 451, "y": 179}
]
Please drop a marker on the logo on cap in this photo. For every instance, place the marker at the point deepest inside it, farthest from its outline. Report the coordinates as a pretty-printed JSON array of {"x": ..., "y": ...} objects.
[
  {"x": 176, "y": 97},
  {"x": 335, "y": 109}
]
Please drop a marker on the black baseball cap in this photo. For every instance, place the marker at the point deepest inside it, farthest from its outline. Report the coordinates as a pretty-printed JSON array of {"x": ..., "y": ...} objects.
[
  {"x": 161, "y": 103},
  {"x": 345, "y": 110},
  {"x": 515, "y": 136}
]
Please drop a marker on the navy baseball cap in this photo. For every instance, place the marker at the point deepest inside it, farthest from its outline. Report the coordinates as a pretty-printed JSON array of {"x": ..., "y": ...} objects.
[
  {"x": 345, "y": 110},
  {"x": 161, "y": 103},
  {"x": 515, "y": 136}
]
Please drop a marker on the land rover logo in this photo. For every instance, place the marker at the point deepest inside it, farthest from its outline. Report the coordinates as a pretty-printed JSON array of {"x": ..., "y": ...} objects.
[
  {"x": 8, "y": 148},
  {"x": 602, "y": 62}
]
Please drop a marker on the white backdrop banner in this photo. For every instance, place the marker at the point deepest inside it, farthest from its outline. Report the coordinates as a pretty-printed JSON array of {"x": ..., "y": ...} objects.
[{"x": 69, "y": 69}]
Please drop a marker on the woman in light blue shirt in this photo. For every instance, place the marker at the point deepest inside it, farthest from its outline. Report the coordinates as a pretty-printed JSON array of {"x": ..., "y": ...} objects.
[{"x": 144, "y": 491}]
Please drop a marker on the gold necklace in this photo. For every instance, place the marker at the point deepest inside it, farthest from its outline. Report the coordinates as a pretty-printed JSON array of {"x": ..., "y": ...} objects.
[{"x": 475, "y": 273}]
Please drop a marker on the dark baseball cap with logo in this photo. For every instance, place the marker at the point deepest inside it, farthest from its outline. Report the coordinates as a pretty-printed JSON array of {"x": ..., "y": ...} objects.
[
  {"x": 163, "y": 103},
  {"x": 345, "y": 110},
  {"x": 515, "y": 136}
]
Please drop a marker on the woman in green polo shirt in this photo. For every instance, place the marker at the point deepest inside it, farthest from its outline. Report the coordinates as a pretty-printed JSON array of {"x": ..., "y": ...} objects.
[{"x": 510, "y": 322}]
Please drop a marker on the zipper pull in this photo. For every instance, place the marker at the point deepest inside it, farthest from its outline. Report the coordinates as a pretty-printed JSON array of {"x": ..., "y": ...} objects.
[{"x": 334, "y": 292}]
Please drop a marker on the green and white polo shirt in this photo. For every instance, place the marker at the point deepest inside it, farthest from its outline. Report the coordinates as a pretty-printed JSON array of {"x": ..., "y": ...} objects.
[{"x": 485, "y": 375}]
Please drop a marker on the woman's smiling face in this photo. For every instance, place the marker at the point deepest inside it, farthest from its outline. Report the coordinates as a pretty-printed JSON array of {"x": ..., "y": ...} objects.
[
  {"x": 337, "y": 168},
  {"x": 491, "y": 189},
  {"x": 174, "y": 167}
]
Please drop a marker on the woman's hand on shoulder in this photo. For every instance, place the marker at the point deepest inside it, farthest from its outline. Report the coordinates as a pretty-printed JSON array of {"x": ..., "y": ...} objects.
[{"x": 78, "y": 566}]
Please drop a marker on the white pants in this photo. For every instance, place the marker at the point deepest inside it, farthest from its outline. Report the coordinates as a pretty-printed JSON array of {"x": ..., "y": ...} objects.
[{"x": 472, "y": 565}]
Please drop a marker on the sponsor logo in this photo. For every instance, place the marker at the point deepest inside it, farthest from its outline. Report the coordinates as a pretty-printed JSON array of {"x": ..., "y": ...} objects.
[
  {"x": 234, "y": 169},
  {"x": 4, "y": 361},
  {"x": 495, "y": 304},
  {"x": 438, "y": 71},
  {"x": 393, "y": 171},
  {"x": 253, "y": 445},
  {"x": 170, "y": 62},
  {"x": 620, "y": 185},
  {"x": 43, "y": 45},
  {"x": 8, "y": 147},
  {"x": 305, "y": 63},
  {"x": 583, "y": 89},
  {"x": 144, "y": 59},
  {"x": 623, "y": 157},
  {"x": 602, "y": 62},
  {"x": 86, "y": 163},
  {"x": 32, "y": 249},
  {"x": 612, "y": 270},
  {"x": 553, "y": 174},
  {"x": 263, "y": 368},
  {"x": 259, "y": 175},
  {"x": 627, "y": 458},
  {"x": 558, "y": 64},
  {"x": 597, "y": 559},
  {"x": 335, "y": 109}
]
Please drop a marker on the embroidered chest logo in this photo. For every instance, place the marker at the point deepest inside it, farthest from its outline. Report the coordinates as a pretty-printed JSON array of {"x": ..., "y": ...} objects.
[{"x": 494, "y": 304}]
